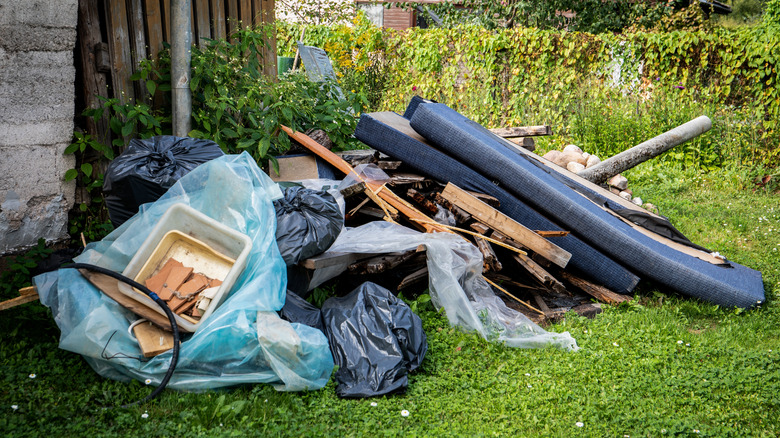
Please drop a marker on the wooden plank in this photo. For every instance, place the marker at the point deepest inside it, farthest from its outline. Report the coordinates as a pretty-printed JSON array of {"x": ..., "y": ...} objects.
[
  {"x": 328, "y": 259},
  {"x": 245, "y": 9},
  {"x": 523, "y": 131},
  {"x": 154, "y": 27},
  {"x": 119, "y": 47},
  {"x": 233, "y": 16},
  {"x": 383, "y": 192},
  {"x": 218, "y": 19},
  {"x": 598, "y": 292},
  {"x": 489, "y": 259},
  {"x": 109, "y": 286},
  {"x": 413, "y": 278},
  {"x": 506, "y": 225},
  {"x": 479, "y": 227},
  {"x": 382, "y": 263},
  {"x": 93, "y": 79},
  {"x": 18, "y": 301},
  {"x": 539, "y": 273},
  {"x": 152, "y": 339},
  {"x": 167, "y": 19},
  {"x": 138, "y": 50},
  {"x": 202, "y": 14}
]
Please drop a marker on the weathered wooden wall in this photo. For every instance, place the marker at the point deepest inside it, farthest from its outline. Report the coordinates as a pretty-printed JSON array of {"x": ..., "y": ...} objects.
[{"x": 116, "y": 35}]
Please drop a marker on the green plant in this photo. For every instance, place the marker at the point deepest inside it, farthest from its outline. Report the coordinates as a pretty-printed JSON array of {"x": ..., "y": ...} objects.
[{"x": 18, "y": 273}]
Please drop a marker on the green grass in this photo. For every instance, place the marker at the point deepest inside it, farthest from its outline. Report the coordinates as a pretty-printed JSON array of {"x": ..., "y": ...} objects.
[{"x": 661, "y": 366}]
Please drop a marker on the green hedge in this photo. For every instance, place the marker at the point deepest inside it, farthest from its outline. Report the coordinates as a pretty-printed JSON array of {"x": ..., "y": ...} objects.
[{"x": 527, "y": 76}]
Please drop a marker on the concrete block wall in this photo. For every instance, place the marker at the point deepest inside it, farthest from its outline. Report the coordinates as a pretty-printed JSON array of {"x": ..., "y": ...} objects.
[{"x": 37, "y": 92}]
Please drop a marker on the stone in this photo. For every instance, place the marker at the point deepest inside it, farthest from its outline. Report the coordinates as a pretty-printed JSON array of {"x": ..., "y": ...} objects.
[
  {"x": 592, "y": 161},
  {"x": 625, "y": 195},
  {"x": 570, "y": 157},
  {"x": 574, "y": 167},
  {"x": 637, "y": 201},
  {"x": 573, "y": 148},
  {"x": 552, "y": 155},
  {"x": 618, "y": 182}
]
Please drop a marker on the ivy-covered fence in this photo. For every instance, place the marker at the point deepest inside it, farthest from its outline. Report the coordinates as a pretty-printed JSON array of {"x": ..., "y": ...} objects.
[{"x": 526, "y": 76}]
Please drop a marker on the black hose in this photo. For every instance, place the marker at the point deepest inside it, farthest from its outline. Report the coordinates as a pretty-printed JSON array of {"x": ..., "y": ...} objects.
[{"x": 168, "y": 313}]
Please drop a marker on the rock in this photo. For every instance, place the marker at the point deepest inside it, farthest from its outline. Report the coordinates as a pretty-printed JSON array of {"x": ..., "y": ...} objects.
[
  {"x": 574, "y": 167},
  {"x": 552, "y": 155},
  {"x": 573, "y": 157},
  {"x": 637, "y": 200},
  {"x": 630, "y": 192},
  {"x": 625, "y": 195},
  {"x": 618, "y": 182},
  {"x": 592, "y": 161},
  {"x": 614, "y": 190},
  {"x": 585, "y": 155},
  {"x": 573, "y": 148}
]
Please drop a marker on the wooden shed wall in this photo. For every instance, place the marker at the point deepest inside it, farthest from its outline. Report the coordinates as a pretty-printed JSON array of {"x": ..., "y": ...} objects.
[{"x": 116, "y": 35}]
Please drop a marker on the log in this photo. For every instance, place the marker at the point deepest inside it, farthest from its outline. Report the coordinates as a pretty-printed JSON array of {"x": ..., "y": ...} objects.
[
  {"x": 644, "y": 151},
  {"x": 506, "y": 225},
  {"x": 328, "y": 259}
]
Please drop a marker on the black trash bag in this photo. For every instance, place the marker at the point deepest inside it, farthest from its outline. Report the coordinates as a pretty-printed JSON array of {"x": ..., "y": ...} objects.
[
  {"x": 148, "y": 168},
  {"x": 307, "y": 223},
  {"x": 296, "y": 309},
  {"x": 376, "y": 340}
]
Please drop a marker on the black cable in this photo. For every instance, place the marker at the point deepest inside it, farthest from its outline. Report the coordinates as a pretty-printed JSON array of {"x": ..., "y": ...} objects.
[{"x": 168, "y": 313}]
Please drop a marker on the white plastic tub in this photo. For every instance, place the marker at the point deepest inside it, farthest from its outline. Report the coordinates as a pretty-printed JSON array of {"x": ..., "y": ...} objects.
[{"x": 199, "y": 242}]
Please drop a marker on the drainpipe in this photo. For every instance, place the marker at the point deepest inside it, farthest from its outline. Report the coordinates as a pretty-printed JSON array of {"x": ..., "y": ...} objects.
[{"x": 181, "y": 54}]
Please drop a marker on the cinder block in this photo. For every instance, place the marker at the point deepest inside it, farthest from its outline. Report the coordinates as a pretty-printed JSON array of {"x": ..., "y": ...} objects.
[
  {"x": 23, "y": 38},
  {"x": 40, "y": 133},
  {"x": 53, "y": 13}
]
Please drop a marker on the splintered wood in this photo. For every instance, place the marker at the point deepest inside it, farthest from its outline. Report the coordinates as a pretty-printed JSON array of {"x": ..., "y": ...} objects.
[
  {"x": 186, "y": 292},
  {"x": 524, "y": 266}
]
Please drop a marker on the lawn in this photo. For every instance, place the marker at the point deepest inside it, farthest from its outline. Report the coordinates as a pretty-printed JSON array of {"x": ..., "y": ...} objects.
[{"x": 661, "y": 365}]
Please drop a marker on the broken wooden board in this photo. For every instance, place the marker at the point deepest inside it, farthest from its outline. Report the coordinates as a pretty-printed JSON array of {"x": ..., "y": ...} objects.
[
  {"x": 152, "y": 339},
  {"x": 506, "y": 225},
  {"x": 383, "y": 192},
  {"x": 413, "y": 278},
  {"x": 489, "y": 260},
  {"x": 539, "y": 273},
  {"x": 600, "y": 293},
  {"x": 26, "y": 295},
  {"x": 109, "y": 286},
  {"x": 328, "y": 259},
  {"x": 523, "y": 131}
]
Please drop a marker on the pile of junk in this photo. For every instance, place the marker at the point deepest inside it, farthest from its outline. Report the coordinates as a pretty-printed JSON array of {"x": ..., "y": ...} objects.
[{"x": 210, "y": 276}]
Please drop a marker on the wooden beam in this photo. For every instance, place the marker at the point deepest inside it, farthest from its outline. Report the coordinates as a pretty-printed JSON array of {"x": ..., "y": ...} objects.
[
  {"x": 119, "y": 47},
  {"x": 539, "y": 273},
  {"x": 489, "y": 259},
  {"x": 154, "y": 27},
  {"x": 413, "y": 278},
  {"x": 506, "y": 225},
  {"x": 598, "y": 292},
  {"x": 523, "y": 131},
  {"x": 328, "y": 259},
  {"x": 383, "y": 192},
  {"x": 26, "y": 295}
]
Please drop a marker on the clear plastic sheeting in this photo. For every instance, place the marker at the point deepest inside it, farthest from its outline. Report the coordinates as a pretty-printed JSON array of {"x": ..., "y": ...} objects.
[
  {"x": 243, "y": 341},
  {"x": 455, "y": 282}
]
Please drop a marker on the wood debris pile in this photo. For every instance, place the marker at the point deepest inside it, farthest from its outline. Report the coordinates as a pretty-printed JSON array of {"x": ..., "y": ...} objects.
[{"x": 524, "y": 267}]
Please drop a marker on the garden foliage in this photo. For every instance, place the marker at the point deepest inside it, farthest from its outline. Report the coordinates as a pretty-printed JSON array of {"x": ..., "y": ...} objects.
[{"x": 528, "y": 76}]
